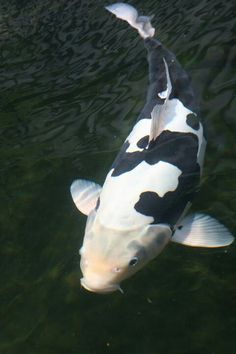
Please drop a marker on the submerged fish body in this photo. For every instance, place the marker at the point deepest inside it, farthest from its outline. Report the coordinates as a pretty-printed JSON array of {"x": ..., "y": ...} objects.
[{"x": 152, "y": 182}]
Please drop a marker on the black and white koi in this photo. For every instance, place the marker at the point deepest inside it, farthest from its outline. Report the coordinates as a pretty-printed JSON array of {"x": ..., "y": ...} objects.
[{"x": 142, "y": 204}]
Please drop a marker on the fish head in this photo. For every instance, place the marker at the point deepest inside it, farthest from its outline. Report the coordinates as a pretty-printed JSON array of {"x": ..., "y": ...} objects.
[{"x": 110, "y": 256}]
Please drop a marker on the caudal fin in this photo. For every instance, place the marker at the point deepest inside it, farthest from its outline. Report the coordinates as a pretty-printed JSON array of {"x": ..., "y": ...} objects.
[{"x": 129, "y": 14}]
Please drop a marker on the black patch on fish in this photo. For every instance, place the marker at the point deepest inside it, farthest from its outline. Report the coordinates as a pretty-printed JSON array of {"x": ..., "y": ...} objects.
[
  {"x": 193, "y": 121},
  {"x": 125, "y": 161},
  {"x": 181, "y": 87},
  {"x": 180, "y": 80},
  {"x": 143, "y": 142},
  {"x": 168, "y": 209},
  {"x": 178, "y": 149}
]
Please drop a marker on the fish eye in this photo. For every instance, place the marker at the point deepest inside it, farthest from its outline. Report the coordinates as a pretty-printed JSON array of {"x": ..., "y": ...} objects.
[{"x": 133, "y": 261}]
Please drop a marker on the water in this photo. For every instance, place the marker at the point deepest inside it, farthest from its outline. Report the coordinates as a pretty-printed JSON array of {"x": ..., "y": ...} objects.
[{"x": 73, "y": 80}]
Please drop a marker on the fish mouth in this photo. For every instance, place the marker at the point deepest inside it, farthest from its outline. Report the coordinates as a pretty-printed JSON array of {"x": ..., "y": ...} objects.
[{"x": 101, "y": 290}]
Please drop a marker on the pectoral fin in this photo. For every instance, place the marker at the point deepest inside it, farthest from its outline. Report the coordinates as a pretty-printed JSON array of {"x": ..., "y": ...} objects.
[
  {"x": 85, "y": 195},
  {"x": 199, "y": 230}
]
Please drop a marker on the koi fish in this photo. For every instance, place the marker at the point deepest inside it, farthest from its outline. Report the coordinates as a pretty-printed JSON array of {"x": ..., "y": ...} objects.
[{"x": 148, "y": 191}]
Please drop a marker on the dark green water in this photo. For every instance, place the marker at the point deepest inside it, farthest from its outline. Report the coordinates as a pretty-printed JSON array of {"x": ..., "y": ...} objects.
[{"x": 73, "y": 80}]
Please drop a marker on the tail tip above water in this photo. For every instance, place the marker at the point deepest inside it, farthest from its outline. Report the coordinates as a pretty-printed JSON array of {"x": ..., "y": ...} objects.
[{"x": 129, "y": 14}]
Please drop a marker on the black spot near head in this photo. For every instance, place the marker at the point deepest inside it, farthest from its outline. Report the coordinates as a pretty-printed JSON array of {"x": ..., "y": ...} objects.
[
  {"x": 143, "y": 142},
  {"x": 193, "y": 121}
]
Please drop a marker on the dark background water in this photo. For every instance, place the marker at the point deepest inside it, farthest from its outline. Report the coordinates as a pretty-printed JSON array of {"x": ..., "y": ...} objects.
[{"x": 73, "y": 80}]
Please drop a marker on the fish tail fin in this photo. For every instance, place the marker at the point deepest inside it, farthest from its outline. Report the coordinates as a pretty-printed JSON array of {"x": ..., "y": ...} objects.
[{"x": 129, "y": 14}]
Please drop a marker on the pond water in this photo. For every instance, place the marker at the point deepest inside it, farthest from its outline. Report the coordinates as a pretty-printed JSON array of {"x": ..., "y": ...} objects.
[{"x": 73, "y": 80}]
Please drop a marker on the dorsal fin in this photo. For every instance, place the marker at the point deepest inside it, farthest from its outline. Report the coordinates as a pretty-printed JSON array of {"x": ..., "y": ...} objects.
[
  {"x": 166, "y": 94},
  {"x": 158, "y": 114}
]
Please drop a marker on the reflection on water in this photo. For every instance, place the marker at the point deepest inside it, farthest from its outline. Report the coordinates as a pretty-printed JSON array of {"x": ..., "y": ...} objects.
[{"x": 72, "y": 82}]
